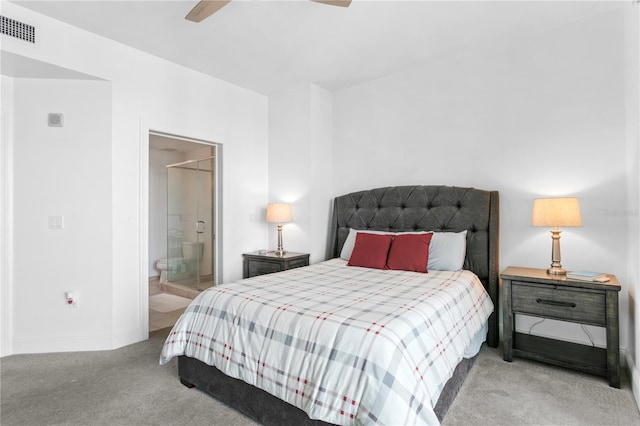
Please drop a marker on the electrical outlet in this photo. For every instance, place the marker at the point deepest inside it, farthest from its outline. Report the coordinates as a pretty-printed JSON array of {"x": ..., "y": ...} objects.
[{"x": 73, "y": 299}]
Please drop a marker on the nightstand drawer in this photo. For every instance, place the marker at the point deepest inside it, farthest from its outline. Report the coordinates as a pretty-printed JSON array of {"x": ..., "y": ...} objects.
[
  {"x": 297, "y": 263},
  {"x": 260, "y": 268},
  {"x": 562, "y": 304},
  {"x": 267, "y": 263}
]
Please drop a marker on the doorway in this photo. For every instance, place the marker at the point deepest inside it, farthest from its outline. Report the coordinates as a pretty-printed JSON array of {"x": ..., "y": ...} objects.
[{"x": 183, "y": 203}]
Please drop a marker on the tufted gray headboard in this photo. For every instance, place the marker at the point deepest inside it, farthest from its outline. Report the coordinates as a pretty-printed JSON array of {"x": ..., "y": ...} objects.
[{"x": 429, "y": 208}]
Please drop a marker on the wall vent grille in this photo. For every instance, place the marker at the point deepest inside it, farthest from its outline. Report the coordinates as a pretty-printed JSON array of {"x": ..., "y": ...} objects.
[{"x": 17, "y": 29}]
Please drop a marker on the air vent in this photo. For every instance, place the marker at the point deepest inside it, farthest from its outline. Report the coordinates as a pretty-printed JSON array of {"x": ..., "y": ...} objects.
[{"x": 17, "y": 29}]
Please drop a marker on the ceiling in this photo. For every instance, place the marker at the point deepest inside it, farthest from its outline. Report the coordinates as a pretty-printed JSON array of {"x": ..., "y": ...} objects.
[
  {"x": 22, "y": 67},
  {"x": 268, "y": 46},
  {"x": 173, "y": 144}
]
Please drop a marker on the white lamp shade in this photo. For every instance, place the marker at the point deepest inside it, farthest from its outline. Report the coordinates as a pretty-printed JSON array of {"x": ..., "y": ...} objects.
[
  {"x": 279, "y": 213},
  {"x": 556, "y": 212}
]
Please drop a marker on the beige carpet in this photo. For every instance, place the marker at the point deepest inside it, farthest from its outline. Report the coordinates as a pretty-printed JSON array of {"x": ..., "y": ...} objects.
[
  {"x": 523, "y": 392},
  {"x": 123, "y": 387},
  {"x": 164, "y": 302},
  {"x": 127, "y": 387}
]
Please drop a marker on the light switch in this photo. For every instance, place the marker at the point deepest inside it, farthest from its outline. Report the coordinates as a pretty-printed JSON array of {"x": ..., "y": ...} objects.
[{"x": 56, "y": 222}]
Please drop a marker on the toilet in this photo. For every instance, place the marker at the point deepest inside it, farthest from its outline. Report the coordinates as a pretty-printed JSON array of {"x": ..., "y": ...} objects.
[{"x": 190, "y": 251}]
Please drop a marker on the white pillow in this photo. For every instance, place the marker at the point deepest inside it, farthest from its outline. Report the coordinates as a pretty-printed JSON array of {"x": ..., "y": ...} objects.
[{"x": 446, "y": 250}]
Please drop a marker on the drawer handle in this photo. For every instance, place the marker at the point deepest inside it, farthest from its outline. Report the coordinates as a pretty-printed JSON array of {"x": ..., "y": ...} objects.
[{"x": 556, "y": 303}]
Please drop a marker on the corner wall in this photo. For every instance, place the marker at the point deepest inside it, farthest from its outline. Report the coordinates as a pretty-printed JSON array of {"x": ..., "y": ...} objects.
[
  {"x": 6, "y": 217},
  {"x": 632, "y": 213},
  {"x": 146, "y": 93},
  {"x": 300, "y": 167}
]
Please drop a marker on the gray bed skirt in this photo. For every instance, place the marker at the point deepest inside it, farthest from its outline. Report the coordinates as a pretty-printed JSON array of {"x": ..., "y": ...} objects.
[{"x": 269, "y": 410}]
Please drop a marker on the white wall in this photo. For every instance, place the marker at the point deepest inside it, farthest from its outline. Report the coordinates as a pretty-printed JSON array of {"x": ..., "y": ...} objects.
[
  {"x": 61, "y": 171},
  {"x": 541, "y": 116},
  {"x": 321, "y": 185},
  {"x": 6, "y": 203},
  {"x": 146, "y": 93},
  {"x": 632, "y": 213},
  {"x": 300, "y": 122}
]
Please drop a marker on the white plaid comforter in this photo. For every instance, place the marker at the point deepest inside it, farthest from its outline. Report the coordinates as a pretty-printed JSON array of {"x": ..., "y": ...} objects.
[{"x": 347, "y": 345}]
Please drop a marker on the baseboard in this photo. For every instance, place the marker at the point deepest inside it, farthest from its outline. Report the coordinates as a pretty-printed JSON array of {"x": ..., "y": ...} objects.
[
  {"x": 49, "y": 344},
  {"x": 634, "y": 378},
  {"x": 128, "y": 337}
]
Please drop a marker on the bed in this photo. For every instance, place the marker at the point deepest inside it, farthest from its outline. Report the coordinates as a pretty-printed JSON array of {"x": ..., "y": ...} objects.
[{"x": 411, "y": 378}]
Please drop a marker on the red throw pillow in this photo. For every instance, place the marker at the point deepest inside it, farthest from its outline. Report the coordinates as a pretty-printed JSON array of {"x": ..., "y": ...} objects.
[
  {"x": 409, "y": 252},
  {"x": 370, "y": 250}
]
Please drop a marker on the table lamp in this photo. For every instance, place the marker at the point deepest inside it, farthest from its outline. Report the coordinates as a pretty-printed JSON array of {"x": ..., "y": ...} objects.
[
  {"x": 279, "y": 213},
  {"x": 556, "y": 212}
]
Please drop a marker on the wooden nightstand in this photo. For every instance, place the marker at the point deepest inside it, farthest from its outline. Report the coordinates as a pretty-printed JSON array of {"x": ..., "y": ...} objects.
[
  {"x": 534, "y": 292},
  {"x": 259, "y": 264}
]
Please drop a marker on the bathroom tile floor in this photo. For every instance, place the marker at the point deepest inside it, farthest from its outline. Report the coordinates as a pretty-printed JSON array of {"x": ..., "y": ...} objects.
[{"x": 163, "y": 316}]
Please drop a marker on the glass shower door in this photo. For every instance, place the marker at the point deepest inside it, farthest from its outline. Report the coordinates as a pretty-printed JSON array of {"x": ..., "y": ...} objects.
[
  {"x": 202, "y": 253},
  {"x": 189, "y": 223}
]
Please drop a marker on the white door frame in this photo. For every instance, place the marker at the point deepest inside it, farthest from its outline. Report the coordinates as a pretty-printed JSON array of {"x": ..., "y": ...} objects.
[{"x": 145, "y": 131}]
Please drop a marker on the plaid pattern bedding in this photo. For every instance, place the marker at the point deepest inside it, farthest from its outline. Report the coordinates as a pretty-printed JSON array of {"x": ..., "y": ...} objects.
[{"x": 347, "y": 345}]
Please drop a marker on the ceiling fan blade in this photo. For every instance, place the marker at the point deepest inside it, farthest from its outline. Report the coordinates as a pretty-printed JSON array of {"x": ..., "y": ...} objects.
[
  {"x": 204, "y": 9},
  {"x": 341, "y": 3}
]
